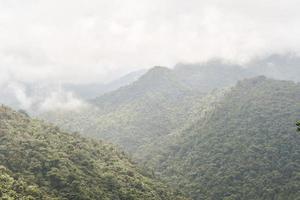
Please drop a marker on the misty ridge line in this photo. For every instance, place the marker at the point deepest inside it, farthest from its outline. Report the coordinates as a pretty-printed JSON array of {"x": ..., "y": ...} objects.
[{"x": 42, "y": 97}]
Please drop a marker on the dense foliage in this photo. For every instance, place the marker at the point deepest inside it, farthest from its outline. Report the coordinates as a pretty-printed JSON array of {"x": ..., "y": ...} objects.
[
  {"x": 45, "y": 163},
  {"x": 11, "y": 188},
  {"x": 246, "y": 148}
]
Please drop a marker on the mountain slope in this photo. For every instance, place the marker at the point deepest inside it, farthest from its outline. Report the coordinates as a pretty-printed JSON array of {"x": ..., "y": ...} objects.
[
  {"x": 246, "y": 148},
  {"x": 157, "y": 103},
  {"x": 67, "y": 166},
  {"x": 158, "y": 80},
  {"x": 134, "y": 115}
]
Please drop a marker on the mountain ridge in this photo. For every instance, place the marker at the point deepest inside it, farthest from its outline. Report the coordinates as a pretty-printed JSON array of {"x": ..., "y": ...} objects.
[{"x": 246, "y": 148}]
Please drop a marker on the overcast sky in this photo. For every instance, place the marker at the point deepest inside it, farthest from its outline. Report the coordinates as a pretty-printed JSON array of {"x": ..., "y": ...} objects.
[{"x": 99, "y": 40}]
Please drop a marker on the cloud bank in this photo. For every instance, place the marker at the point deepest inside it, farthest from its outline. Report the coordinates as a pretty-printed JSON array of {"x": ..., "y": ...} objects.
[
  {"x": 39, "y": 98},
  {"x": 99, "y": 40}
]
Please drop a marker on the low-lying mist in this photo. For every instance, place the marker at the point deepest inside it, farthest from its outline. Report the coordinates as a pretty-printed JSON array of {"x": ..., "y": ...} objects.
[{"x": 39, "y": 96}]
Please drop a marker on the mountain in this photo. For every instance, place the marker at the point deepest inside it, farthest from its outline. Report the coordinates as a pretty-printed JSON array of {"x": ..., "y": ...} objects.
[
  {"x": 246, "y": 147},
  {"x": 201, "y": 77},
  {"x": 133, "y": 115},
  {"x": 93, "y": 90},
  {"x": 218, "y": 73},
  {"x": 38, "y": 161},
  {"x": 204, "y": 132},
  {"x": 211, "y": 75},
  {"x": 158, "y": 80},
  {"x": 277, "y": 66},
  {"x": 157, "y": 103},
  {"x": 37, "y": 97}
]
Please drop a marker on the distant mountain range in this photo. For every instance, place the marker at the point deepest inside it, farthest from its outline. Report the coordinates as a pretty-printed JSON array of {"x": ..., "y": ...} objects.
[
  {"x": 199, "y": 76},
  {"x": 93, "y": 90},
  {"x": 132, "y": 115},
  {"x": 157, "y": 103}
]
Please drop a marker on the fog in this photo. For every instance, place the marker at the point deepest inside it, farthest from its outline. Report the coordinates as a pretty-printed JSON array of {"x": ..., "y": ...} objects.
[{"x": 50, "y": 43}]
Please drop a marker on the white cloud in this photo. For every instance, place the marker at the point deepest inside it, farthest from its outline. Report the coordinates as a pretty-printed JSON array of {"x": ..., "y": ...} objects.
[
  {"x": 98, "y": 40},
  {"x": 38, "y": 98},
  {"x": 25, "y": 102},
  {"x": 61, "y": 100}
]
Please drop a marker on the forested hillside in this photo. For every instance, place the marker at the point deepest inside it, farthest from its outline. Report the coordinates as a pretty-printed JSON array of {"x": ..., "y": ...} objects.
[
  {"x": 158, "y": 102},
  {"x": 136, "y": 114},
  {"x": 39, "y": 161},
  {"x": 248, "y": 147},
  {"x": 231, "y": 143}
]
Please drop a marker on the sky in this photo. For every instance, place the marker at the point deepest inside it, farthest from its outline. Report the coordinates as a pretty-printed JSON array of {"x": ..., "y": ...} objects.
[{"x": 84, "y": 41}]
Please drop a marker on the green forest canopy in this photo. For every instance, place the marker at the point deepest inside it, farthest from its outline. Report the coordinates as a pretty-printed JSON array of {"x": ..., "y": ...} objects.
[{"x": 42, "y": 162}]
